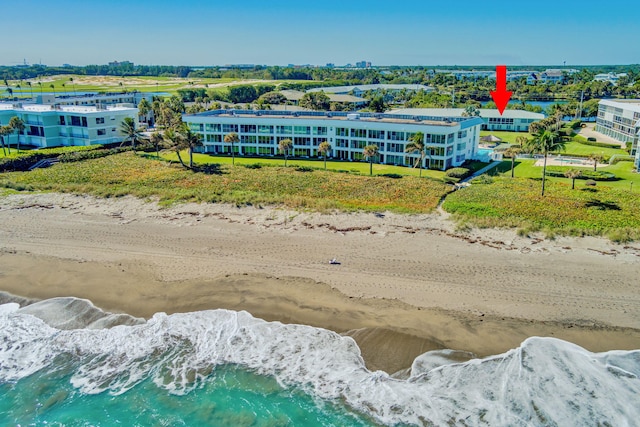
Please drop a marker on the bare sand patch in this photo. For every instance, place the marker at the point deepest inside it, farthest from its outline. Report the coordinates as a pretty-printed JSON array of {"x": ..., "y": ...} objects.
[{"x": 406, "y": 283}]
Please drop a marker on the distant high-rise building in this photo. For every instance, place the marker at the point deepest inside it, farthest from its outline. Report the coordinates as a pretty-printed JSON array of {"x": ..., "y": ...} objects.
[
  {"x": 330, "y": 65},
  {"x": 120, "y": 64}
]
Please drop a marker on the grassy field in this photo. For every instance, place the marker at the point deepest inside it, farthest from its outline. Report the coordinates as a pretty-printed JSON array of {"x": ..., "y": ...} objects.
[
  {"x": 506, "y": 202},
  {"x": 145, "y": 177},
  {"x": 361, "y": 168},
  {"x": 62, "y": 84},
  {"x": 525, "y": 168}
]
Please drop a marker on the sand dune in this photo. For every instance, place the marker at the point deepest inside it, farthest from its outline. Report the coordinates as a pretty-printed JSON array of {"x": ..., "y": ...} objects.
[{"x": 405, "y": 285}]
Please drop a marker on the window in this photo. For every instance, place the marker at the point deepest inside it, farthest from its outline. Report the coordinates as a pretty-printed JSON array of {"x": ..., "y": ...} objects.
[
  {"x": 62, "y": 120},
  {"x": 302, "y": 130},
  {"x": 320, "y": 130},
  {"x": 229, "y": 128},
  {"x": 248, "y": 128},
  {"x": 99, "y": 120},
  {"x": 287, "y": 130},
  {"x": 358, "y": 133},
  {"x": 265, "y": 129},
  {"x": 84, "y": 122},
  {"x": 216, "y": 127},
  {"x": 102, "y": 132},
  {"x": 75, "y": 121}
]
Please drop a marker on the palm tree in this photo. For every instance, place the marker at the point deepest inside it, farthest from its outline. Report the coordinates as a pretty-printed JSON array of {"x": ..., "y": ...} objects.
[
  {"x": 232, "y": 138},
  {"x": 143, "y": 108},
  {"x": 370, "y": 151},
  {"x": 573, "y": 174},
  {"x": 30, "y": 88},
  {"x": 175, "y": 141},
  {"x": 5, "y": 131},
  {"x": 156, "y": 139},
  {"x": 129, "y": 130},
  {"x": 10, "y": 92},
  {"x": 53, "y": 88},
  {"x": 191, "y": 140},
  {"x": 513, "y": 153},
  {"x": 545, "y": 141},
  {"x": 284, "y": 146},
  {"x": 17, "y": 124},
  {"x": 416, "y": 145},
  {"x": 323, "y": 149},
  {"x": 596, "y": 158},
  {"x": 74, "y": 86}
]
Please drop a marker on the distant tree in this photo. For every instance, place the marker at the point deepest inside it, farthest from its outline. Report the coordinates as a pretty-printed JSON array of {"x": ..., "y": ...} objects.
[
  {"x": 17, "y": 125},
  {"x": 324, "y": 149},
  {"x": 130, "y": 132},
  {"x": 545, "y": 141},
  {"x": 73, "y": 84},
  {"x": 284, "y": 146},
  {"x": 416, "y": 145},
  {"x": 572, "y": 174},
  {"x": 232, "y": 138},
  {"x": 370, "y": 151},
  {"x": 377, "y": 104},
  {"x": 471, "y": 111},
  {"x": 275, "y": 98},
  {"x": 318, "y": 101},
  {"x": 10, "y": 92},
  {"x": 242, "y": 94}
]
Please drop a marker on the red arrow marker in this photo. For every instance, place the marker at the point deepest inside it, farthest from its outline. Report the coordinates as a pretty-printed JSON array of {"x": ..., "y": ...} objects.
[{"x": 501, "y": 96}]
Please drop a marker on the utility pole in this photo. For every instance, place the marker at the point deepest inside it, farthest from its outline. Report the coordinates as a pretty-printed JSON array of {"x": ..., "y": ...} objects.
[{"x": 579, "y": 112}]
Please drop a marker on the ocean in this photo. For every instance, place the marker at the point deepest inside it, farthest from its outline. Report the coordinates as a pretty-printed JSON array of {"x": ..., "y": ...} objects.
[{"x": 64, "y": 363}]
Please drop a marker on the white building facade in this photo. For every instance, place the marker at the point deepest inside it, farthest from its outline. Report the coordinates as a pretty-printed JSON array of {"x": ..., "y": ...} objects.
[
  {"x": 450, "y": 142},
  {"x": 620, "y": 119},
  {"x": 54, "y": 126},
  {"x": 509, "y": 120}
]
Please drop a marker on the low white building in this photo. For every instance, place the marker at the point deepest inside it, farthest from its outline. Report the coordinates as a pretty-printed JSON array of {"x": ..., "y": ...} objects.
[
  {"x": 510, "y": 120},
  {"x": 451, "y": 141},
  {"x": 53, "y": 126}
]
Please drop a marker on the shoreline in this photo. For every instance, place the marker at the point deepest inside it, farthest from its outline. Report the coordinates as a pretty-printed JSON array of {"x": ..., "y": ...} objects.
[{"x": 406, "y": 285}]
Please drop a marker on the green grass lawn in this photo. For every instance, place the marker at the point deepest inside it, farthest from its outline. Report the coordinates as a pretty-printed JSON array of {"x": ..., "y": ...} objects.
[
  {"x": 144, "y": 177},
  {"x": 505, "y": 202},
  {"x": 361, "y": 168},
  {"x": 525, "y": 168}
]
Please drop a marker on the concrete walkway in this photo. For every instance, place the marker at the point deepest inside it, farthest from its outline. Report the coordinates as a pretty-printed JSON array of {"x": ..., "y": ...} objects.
[{"x": 481, "y": 171}]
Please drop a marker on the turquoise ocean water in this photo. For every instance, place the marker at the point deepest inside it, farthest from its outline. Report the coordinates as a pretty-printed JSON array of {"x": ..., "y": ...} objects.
[{"x": 61, "y": 364}]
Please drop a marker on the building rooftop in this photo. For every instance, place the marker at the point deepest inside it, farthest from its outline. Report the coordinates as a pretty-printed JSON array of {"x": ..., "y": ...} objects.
[
  {"x": 464, "y": 122},
  {"x": 628, "y": 104},
  {"x": 457, "y": 112},
  {"x": 68, "y": 108}
]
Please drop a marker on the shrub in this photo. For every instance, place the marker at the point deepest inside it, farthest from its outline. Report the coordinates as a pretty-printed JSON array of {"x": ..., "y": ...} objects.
[
  {"x": 590, "y": 182},
  {"x": 304, "y": 169},
  {"x": 459, "y": 173},
  {"x": 559, "y": 171},
  {"x": 253, "y": 166},
  {"x": 391, "y": 175},
  {"x": 592, "y": 143},
  {"x": 451, "y": 179}
]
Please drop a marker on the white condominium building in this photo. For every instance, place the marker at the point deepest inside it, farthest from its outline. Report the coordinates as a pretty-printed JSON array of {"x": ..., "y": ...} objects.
[
  {"x": 450, "y": 141},
  {"x": 53, "y": 126},
  {"x": 620, "y": 119}
]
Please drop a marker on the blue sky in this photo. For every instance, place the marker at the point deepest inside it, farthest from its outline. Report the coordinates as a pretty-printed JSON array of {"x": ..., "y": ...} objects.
[{"x": 279, "y": 32}]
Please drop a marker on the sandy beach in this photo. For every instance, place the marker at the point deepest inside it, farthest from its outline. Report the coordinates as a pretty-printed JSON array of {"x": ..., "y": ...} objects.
[{"x": 406, "y": 283}]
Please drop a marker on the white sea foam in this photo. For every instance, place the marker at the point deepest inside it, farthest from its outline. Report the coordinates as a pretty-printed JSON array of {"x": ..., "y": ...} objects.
[{"x": 543, "y": 382}]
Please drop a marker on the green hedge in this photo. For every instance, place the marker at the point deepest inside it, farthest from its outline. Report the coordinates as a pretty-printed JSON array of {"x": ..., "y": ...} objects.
[
  {"x": 93, "y": 154},
  {"x": 599, "y": 144},
  {"x": 559, "y": 171},
  {"x": 459, "y": 173}
]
